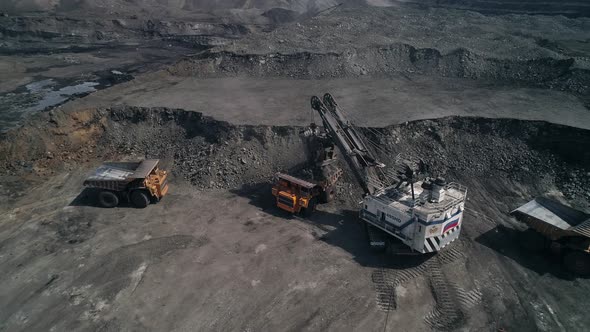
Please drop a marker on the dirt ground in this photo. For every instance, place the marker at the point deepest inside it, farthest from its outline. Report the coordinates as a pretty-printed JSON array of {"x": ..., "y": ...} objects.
[
  {"x": 217, "y": 260},
  {"x": 184, "y": 260},
  {"x": 488, "y": 95}
]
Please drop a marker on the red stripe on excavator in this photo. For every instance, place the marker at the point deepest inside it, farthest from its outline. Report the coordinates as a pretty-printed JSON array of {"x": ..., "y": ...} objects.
[{"x": 451, "y": 225}]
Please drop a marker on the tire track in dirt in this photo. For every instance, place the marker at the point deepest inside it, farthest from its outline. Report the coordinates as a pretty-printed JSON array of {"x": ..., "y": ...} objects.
[
  {"x": 447, "y": 313},
  {"x": 451, "y": 300},
  {"x": 468, "y": 299},
  {"x": 384, "y": 289}
]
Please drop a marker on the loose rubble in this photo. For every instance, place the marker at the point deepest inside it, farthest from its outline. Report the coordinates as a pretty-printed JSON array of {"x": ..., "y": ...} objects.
[{"x": 212, "y": 154}]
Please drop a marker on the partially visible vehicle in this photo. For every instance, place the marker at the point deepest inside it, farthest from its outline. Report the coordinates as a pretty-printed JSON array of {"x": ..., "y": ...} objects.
[
  {"x": 140, "y": 183},
  {"x": 557, "y": 227},
  {"x": 300, "y": 196},
  {"x": 295, "y": 195}
]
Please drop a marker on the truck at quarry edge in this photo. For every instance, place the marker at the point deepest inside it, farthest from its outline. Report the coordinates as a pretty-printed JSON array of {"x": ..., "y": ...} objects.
[
  {"x": 139, "y": 183},
  {"x": 559, "y": 228}
]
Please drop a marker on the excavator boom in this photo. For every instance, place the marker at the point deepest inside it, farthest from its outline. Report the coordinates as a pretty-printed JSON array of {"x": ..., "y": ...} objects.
[{"x": 344, "y": 135}]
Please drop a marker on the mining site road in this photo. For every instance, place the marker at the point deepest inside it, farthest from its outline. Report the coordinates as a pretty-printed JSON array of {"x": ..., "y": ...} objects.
[{"x": 372, "y": 102}]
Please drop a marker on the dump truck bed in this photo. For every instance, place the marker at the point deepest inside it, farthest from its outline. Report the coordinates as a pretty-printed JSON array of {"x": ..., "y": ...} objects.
[
  {"x": 553, "y": 219},
  {"x": 302, "y": 183},
  {"x": 106, "y": 172},
  {"x": 116, "y": 175}
]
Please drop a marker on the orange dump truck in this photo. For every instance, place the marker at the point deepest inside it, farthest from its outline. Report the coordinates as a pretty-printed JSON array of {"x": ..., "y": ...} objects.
[
  {"x": 140, "y": 183},
  {"x": 299, "y": 196}
]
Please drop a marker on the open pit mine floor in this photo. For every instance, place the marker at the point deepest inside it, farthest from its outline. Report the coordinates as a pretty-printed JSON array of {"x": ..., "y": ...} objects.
[{"x": 216, "y": 254}]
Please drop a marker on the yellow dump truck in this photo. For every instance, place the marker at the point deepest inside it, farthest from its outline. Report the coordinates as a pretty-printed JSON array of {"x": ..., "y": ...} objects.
[
  {"x": 139, "y": 183},
  {"x": 299, "y": 196}
]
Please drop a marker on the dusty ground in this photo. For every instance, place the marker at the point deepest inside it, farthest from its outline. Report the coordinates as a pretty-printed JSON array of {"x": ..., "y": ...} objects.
[
  {"x": 219, "y": 261},
  {"x": 215, "y": 254}
]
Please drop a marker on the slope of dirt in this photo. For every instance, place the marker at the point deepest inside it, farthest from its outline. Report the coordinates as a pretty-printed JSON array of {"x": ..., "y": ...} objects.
[
  {"x": 346, "y": 42},
  {"x": 214, "y": 154},
  {"x": 388, "y": 61},
  {"x": 547, "y": 7},
  {"x": 39, "y": 34},
  {"x": 236, "y": 9},
  {"x": 551, "y": 7},
  {"x": 208, "y": 153},
  {"x": 539, "y": 155},
  {"x": 539, "y": 51},
  {"x": 507, "y": 36}
]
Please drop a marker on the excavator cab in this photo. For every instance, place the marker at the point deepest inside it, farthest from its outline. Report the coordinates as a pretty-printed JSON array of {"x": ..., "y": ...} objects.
[{"x": 295, "y": 195}]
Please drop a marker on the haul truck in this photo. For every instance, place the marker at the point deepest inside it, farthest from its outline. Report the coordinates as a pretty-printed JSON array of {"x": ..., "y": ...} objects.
[
  {"x": 140, "y": 183},
  {"x": 299, "y": 196},
  {"x": 424, "y": 214},
  {"x": 295, "y": 195},
  {"x": 560, "y": 228}
]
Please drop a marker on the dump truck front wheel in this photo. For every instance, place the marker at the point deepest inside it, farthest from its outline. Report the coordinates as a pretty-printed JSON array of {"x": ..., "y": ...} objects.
[
  {"x": 108, "y": 199},
  {"x": 577, "y": 262},
  {"x": 308, "y": 211},
  {"x": 139, "y": 198}
]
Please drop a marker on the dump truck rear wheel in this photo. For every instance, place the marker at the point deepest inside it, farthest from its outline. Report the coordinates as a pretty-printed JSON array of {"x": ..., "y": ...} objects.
[
  {"x": 533, "y": 240},
  {"x": 108, "y": 199},
  {"x": 140, "y": 199},
  {"x": 308, "y": 211},
  {"x": 577, "y": 262},
  {"x": 328, "y": 194}
]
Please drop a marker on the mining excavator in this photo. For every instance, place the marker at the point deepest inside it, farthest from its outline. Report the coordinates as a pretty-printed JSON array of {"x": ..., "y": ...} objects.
[{"x": 423, "y": 213}]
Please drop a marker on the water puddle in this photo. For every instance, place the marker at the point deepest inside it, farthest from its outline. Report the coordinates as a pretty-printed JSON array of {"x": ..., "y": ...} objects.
[
  {"x": 47, "y": 93},
  {"x": 50, "y": 97}
]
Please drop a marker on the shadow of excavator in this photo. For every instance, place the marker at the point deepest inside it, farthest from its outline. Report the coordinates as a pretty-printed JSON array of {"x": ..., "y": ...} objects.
[{"x": 341, "y": 229}]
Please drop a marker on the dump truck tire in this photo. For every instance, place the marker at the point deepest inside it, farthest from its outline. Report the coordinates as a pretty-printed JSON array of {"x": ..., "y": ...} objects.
[
  {"x": 139, "y": 199},
  {"x": 577, "y": 262},
  {"x": 108, "y": 199},
  {"x": 307, "y": 212},
  {"x": 328, "y": 195},
  {"x": 533, "y": 241}
]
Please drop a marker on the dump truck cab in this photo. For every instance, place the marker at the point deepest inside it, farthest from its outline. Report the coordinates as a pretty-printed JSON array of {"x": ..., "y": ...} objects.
[
  {"x": 141, "y": 183},
  {"x": 155, "y": 180},
  {"x": 295, "y": 195}
]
